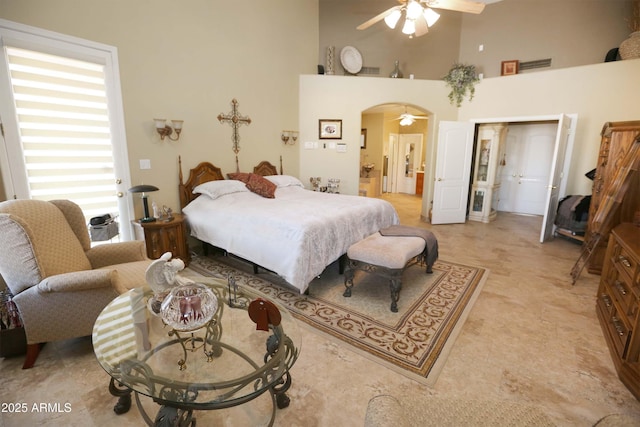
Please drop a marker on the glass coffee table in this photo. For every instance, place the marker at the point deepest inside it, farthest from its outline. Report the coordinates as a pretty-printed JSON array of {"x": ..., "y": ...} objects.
[{"x": 226, "y": 363}]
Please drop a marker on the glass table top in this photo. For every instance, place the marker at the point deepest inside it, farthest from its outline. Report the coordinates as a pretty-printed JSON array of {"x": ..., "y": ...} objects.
[{"x": 223, "y": 364}]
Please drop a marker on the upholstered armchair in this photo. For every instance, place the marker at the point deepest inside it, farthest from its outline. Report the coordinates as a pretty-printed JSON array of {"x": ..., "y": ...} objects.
[{"x": 59, "y": 283}]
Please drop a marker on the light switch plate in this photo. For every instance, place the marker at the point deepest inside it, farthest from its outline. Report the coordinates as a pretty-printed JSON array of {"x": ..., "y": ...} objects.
[{"x": 145, "y": 164}]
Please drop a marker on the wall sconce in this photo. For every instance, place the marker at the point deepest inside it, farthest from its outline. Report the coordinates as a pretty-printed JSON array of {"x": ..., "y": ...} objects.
[
  {"x": 289, "y": 134},
  {"x": 165, "y": 130}
]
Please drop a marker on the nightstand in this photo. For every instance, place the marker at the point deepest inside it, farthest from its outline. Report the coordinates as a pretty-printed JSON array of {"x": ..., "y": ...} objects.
[{"x": 162, "y": 236}]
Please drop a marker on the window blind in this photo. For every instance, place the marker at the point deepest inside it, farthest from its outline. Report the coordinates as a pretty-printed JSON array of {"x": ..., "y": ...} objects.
[{"x": 63, "y": 121}]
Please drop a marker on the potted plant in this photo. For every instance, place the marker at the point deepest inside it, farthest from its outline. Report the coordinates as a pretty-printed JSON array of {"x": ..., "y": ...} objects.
[{"x": 461, "y": 79}]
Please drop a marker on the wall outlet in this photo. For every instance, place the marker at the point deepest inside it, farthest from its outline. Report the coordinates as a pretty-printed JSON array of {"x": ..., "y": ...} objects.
[{"x": 145, "y": 164}]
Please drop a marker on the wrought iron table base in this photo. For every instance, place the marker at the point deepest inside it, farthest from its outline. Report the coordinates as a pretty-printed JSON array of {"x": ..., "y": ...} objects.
[{"x": 176, "y": 416}]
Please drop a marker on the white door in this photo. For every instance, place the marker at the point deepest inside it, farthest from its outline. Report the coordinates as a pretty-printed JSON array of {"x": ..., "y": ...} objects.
[
  {"x": 68, "y": 142},
  {"x": 555, "y": 177},
  {"x": 525, "y": 176},
  {"x": 452, "y": 174}
]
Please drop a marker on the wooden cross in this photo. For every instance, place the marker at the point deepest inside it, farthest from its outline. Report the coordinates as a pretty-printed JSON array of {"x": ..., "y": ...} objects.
[{"x": 235, "y": 119}]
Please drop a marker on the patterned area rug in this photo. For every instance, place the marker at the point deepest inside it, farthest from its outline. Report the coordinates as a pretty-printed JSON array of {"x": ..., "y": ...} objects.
[{"x": 414, "y": 341}]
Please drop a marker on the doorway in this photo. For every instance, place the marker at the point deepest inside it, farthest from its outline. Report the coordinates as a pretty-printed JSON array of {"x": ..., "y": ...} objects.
[
  {"x": 407, "y": 160},
  {"x": 459, "y": 134},
  {"x": 391, "y": 141},
  {"x": 527, "y": 165}
]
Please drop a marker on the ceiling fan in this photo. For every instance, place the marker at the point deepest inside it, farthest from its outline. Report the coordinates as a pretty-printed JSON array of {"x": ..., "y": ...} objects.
[
  {"x": 407, "y": 119},
  {"x": 419, "y": 14}
]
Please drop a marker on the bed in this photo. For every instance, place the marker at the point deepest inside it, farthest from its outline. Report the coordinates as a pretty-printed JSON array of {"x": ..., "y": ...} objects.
[{"x": 296, "y": 234}]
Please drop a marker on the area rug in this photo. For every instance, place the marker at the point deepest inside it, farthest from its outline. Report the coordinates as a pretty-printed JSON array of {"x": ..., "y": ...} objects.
[{"x": 414, "y": 341}]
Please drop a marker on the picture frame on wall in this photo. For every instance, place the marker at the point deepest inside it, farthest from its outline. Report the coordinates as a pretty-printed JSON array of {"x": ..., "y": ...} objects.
[
  {"x": 330, "y": 129},
  {"x": 363, "y": 138},
  {"x": 509, "y": 68}
]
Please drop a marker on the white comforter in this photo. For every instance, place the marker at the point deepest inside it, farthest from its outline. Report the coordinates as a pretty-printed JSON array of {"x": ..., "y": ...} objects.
[{"x": 296, "y": 234}]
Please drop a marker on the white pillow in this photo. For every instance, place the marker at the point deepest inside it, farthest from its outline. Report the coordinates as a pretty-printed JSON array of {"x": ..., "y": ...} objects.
[
  {"x": 216, "y": 189},
  {"x": 285, "y": 180}
]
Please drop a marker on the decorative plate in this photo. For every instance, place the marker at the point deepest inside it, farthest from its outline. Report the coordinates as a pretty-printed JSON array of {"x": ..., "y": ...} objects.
[{"x": 351, "y": 59}]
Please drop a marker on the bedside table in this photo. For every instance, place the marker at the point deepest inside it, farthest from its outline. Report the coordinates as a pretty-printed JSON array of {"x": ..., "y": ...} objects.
[{"x": 161, "y": 237}]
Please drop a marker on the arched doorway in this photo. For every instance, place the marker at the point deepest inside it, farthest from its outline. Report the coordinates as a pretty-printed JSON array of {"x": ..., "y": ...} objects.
[{"x": 394, "y": 152}]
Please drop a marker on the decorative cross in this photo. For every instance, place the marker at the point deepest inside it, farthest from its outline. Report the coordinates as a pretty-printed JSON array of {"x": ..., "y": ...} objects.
[{"x": 235, "y": 119}]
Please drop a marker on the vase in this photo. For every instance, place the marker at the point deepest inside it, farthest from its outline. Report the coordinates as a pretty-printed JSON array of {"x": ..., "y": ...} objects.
[
  {"x": 630, "y": 48},
  {"x": 396, "y": 73},
  {"x": 189, "y": 307},
  {"x": 331, "y": 58}
]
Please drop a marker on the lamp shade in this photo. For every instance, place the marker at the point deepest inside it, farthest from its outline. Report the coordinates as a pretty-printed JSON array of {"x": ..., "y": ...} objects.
[{"x": 143, "y": 188}]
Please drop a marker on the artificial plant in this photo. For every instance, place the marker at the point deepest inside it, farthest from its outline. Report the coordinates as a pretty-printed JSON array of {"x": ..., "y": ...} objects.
[{"x": 462, "y": 79}]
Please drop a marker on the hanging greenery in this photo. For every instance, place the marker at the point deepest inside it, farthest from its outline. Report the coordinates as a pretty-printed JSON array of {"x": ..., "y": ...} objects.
[{"x": 461, "y": 79}]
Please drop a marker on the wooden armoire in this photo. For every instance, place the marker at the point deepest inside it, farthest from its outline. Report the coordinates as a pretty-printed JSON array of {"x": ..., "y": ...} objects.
[{"x": 617, "y": 138}]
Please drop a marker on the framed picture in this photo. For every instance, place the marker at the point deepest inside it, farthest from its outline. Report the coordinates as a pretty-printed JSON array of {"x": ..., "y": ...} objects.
[
  {"x": 330, "y": 129},
  {"x": 363, "y": 138},
  {"x": 509, "y": 68}
]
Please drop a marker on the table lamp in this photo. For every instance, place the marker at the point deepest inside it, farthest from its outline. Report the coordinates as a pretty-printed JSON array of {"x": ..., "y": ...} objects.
[{"x": 144, "y": 189}]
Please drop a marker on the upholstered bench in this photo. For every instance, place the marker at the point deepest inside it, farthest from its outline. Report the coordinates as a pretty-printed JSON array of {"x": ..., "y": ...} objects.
[{"x": 388, "y": 253}]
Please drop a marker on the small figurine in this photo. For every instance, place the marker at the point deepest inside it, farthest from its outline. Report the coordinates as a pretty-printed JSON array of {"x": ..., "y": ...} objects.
[
  {"x": 167, "y": 213},
  {"x": 156, "y": 212},
  {"x": 162, "y": 275}
]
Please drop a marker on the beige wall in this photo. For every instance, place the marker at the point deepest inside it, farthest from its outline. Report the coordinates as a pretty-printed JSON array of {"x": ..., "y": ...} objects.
[
  {"x": 341, "y": 97},
  {"x": 374, "y": 123},
  {"x": 596, "y": 93},
  {"x": 188, "y": 60},
  {"x": 570, "y": 32},
  {"x": 427, "y": 57}
]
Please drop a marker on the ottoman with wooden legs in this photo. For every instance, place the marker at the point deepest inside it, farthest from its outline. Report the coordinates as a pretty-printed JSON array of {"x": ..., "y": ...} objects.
[{"x": 388, "y": 253}]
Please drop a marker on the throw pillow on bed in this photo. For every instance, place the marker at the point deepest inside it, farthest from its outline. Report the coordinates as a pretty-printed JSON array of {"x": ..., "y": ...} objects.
[
  {"x": 239, "y": 176},
  {"x": 261, "y": 186}
]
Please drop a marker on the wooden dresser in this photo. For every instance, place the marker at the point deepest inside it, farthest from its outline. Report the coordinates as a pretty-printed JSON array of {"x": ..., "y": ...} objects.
[
  {"x": 618, "y": 303},
  {"x": 617, "y": 137},
  {"x": 161, "y": 237}
]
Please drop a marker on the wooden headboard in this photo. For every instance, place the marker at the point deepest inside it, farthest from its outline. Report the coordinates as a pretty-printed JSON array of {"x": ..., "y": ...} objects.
[
  {"x": 204, "y": 172},
  {"x": 265, "y": 168}
]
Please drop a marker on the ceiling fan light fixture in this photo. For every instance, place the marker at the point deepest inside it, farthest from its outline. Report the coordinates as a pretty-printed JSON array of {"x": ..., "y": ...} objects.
[
  {"x": 406, "y": 121},
  {"x": 414, "y": 9},
  {"x": 409, "y": 26},
  {"x": 392, "y": 19},
  {"x": 431, "y": 16}
]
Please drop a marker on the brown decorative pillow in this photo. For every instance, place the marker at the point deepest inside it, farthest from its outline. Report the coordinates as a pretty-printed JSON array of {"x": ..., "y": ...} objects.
[
  {"x": 239, "y": 176},
  {"x": 261, "y": 186}
]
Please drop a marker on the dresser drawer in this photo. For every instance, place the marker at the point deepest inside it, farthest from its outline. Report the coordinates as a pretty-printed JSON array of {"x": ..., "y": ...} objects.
[
  {"x": 605, "y": 303},
  {"x": 625, "y": 262},
  {"x": 619, "y": 333}
]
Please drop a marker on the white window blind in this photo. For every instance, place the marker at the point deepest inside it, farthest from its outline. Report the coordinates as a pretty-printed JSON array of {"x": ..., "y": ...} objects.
[{"x": 63, "y": 122}]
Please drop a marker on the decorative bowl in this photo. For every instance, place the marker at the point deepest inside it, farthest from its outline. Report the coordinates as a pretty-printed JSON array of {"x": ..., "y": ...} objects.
[{"x": 189, "y": 307}]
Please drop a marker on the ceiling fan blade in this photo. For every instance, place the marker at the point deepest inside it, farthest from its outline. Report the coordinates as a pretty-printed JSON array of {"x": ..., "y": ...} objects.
[
  {"x": 377, "y": 18},
  {"x": 421, "y": 26},
  {"x": 457, "y": 5}
]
